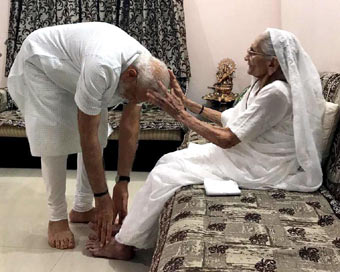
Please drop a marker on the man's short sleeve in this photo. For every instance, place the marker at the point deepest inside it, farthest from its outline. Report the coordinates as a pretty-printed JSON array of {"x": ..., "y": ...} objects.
[
  {"x": 267, "y": 110},
  {"x": 95, "y": 81}
]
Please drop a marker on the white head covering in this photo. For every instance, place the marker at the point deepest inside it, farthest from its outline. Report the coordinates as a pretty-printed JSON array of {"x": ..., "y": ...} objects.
[{"x": 308, "y": 106}]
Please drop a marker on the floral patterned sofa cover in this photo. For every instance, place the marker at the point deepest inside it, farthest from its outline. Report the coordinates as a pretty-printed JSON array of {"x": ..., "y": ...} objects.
[
  {"x": 155, "y": 124},
  {"x": 263, "y": 231}
]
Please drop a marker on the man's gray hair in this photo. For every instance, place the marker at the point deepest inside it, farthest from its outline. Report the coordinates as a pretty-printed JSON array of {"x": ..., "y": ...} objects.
[
  {"x": 266, "y": 44},
  {"x": 150, "y": 71}
]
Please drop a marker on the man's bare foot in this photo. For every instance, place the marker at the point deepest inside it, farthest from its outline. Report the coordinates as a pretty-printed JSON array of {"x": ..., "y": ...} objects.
[
  {"x": 113, "y": 250},
  {"x": 60, "y": 235},
  {"x": 82, "y": 217},
  {"x": 93, "y": 236}
]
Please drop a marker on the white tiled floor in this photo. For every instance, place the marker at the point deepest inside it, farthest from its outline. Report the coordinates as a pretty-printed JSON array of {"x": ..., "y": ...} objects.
[{"x": 23, "y": 228}]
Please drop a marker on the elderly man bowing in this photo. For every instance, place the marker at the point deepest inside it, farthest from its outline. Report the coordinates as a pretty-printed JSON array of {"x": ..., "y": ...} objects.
[{"x": 63, "y": 80}]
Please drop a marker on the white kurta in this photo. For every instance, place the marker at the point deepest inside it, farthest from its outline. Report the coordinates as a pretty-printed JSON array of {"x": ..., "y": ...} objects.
[
  {"x": 62, "y": 68},
  {"x": 265, "y": 158}
]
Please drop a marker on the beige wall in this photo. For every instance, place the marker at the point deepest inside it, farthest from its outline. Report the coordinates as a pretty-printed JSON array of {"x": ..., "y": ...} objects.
[
  {"x": 217, "y": 29},
  {"x": 317, "y": 25},
  {"x": 4, "y": 17},
  {"x": 225, "y": 28}
]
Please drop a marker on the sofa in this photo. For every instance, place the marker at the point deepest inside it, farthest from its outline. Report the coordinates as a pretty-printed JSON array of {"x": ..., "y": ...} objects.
[
  {"x": 265, "y": 231},
  {"x": 159, "y": 134}
]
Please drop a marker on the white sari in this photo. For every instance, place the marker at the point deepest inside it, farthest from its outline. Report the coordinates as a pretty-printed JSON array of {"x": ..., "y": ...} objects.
[{"x": 280, "y": 132}]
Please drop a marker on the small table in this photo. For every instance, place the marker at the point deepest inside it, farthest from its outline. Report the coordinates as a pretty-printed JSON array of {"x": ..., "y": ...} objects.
[
  {"x": 219, "y": 101},
  {"x": 219, "y": 106}
]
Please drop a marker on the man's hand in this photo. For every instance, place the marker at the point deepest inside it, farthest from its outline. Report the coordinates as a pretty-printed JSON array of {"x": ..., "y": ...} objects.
[
  {"x": 120, "y": 198},
  {"x": 104, "y": 218}
]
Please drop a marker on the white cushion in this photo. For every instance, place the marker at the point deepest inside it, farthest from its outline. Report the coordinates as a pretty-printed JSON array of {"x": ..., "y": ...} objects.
[{"x": 330, "y": 119}]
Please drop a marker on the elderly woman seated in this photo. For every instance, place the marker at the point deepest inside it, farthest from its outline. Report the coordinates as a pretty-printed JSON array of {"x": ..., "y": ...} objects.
[{"x": 271, "y": 139}]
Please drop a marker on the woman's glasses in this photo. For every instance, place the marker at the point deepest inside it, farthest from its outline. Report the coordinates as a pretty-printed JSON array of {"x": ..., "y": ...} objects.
[{"x": 251, "y": 53}]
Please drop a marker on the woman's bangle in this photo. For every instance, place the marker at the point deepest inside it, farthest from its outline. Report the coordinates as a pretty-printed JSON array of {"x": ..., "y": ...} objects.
[
  {"x": 202, "y": 109},
  {"x": 101, "y": 194}
]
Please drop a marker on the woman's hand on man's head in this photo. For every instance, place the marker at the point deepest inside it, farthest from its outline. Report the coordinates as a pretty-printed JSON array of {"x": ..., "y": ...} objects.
[
  {"x": 169, "y": 101},
  {"x": 174, "y": 85}
]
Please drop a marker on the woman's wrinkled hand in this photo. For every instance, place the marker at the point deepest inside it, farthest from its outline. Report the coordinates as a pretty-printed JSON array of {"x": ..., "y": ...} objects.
[
  {"x": 174, "y": 85},
  {"x": 171, "y": 101}
]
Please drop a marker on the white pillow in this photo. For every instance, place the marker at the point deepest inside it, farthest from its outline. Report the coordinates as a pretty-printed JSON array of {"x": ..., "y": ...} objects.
[{"x": 329, "y": 122}]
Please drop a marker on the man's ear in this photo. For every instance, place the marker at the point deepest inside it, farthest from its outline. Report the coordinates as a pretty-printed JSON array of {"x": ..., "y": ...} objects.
[
  {"x": 273, "y": 66},
  {"x": 130, "y": 74}
]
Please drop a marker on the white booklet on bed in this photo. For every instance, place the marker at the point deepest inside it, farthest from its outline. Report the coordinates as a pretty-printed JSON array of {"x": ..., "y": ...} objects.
[{"x": 221, "y": 187}]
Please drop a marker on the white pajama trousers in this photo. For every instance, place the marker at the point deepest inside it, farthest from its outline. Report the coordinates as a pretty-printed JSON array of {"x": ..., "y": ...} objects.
[
  {"x": 54, "y": 175},
  {"x": 172, "y": 171}
]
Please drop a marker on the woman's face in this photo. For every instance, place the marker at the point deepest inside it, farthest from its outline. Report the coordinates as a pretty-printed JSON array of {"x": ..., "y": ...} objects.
[{"x": 257, "y": 61}]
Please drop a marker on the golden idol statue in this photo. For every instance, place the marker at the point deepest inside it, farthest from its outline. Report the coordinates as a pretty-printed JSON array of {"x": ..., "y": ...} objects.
[{"x": 224, "y": 85}]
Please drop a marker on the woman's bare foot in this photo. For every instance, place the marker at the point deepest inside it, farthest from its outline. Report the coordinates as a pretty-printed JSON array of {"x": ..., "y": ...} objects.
[
  {"x": 92, "y": 226},
  {"x": 93, "y": 236},
  {"x": 82, "y": 217},
  {"x": 113, "y": 250},
  {"x": 60, "y": 235}
]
